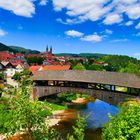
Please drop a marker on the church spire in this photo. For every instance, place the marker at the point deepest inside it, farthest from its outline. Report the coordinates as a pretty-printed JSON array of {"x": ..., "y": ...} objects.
[
  {"x": 47, "y": 48},
  {"x": 51, "y": 49}
]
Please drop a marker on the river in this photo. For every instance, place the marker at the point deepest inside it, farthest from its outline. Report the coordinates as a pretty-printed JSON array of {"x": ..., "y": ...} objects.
[{"x": 98, "y": 115}]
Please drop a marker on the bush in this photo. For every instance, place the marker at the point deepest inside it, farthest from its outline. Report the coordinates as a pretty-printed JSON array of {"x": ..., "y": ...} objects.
[
  {"x": 78, "y": 129},
  {"x": 1, "y": 76},
  {"x": 67, "y": 97},
  {"x": 17, "y": 76},
  {"x": 125, "y": 125},
  {"x": 79, "y": 67}
]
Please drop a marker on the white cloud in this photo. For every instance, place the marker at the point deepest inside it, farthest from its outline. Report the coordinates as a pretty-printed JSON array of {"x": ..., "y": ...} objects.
[
  {"x": 87, "y": 9},
  {"x": 112, "y": 19},
  {"x": 133, "y": 11},
  {"x": 3, "y": 33},
  {"x": 129, "y": 23},
  {"x": 138, "y": 26},
  {"x": 43, "y": 2},
  {"x": 112, "y": 11},
  {"x": 108, "y": 31},
  {"x": 61, "y": 21},
  {"x": 68, "y": 21},
  {"x": 74, "y": 33},
  {"x": 120, "y": 40},
  {"x": 128, "y": 1},
  {"x": 92, "y": 38},
  {"x": 19, "y": 7}
]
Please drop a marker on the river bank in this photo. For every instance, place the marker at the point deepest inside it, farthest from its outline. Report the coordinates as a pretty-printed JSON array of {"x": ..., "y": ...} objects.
[{"x": 62, "y": 113}]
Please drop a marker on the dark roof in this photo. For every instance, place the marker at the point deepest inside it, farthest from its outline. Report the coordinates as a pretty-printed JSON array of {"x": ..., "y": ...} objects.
[{"x": 103, "y": 77}]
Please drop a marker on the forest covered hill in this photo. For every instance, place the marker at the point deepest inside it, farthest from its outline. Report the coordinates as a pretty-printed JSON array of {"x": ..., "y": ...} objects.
[{"x": 16, "y": 49}]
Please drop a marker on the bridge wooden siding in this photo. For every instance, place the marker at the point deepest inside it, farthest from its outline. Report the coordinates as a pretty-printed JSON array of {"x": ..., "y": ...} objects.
[
  {"x": 107, "y": 96},
  {"x": 88, "y": 76},
  {"x": 53, "y": 82}
]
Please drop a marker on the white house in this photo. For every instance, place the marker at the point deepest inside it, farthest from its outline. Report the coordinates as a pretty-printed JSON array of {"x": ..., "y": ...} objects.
[
  {"x": 19, "y": 68},
  {"x": 9, "y": 72}
]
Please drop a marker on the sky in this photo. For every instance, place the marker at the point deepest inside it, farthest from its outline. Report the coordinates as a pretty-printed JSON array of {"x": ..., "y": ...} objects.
[{"x": 72, "y": 26}]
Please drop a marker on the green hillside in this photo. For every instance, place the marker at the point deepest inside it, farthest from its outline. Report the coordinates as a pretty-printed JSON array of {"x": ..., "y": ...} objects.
[
  {"x": 23, "y": 50},
  {"x": 3, "y": 47},
  {"x": 16, "y": 49},
  {"x": 87, "y": 55},
  {"x": 67, "y": 54},
  {"x": 91, "y": 55}
]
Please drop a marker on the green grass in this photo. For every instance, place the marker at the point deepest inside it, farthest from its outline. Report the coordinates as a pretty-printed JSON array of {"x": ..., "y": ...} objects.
[{"x": 54, "y": 107}]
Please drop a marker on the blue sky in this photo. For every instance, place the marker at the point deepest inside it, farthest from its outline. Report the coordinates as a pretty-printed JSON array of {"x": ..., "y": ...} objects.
[{"x": 72, "y": 26}]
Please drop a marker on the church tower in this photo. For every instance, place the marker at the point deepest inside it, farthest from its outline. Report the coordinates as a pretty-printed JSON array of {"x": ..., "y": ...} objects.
[
  {"x": 47, "y": 49},
  {"x": 49, "y": 54}
]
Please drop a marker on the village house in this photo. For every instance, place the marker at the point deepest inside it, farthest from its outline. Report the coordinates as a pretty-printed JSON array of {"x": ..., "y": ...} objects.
[
  {"x": 35, "y": 69},
  {"x": 34, "y": 55},
  {"x": 10, "y": 68},
  {"x": 5, "y": 55}
]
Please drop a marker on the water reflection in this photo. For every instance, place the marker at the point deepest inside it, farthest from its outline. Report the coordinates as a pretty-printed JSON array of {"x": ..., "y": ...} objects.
[{"x": 98, "y": 115}]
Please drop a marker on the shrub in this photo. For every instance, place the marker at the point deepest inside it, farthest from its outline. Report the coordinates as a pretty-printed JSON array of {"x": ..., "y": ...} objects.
[{"x": 125, "y": 125}]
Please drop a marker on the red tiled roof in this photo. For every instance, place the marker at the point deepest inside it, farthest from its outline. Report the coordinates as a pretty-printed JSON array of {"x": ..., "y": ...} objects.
[
  {"x": 56, "y": 67},
  {"x": 34, "y": 69},
  {"x": 34, "y": 55},
  {"x": 15, "y": 62},
  {"x": 68, "y": 63},
  {"x": 19, "y": 54},
  {"x": 4, "y": 55}
]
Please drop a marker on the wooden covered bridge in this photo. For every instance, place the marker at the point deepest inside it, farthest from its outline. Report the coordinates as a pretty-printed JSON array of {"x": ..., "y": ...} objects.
[{"x": 108, "y": 86}]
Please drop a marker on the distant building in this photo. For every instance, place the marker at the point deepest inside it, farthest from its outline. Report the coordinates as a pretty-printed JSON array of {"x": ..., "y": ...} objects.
[
  {"x": 56, "y": 67},
  {"x": 34, "y": 55},
  {"x": 19, "y": 68},
  {"x": 11, "y": 67},
  {"x": 5, "y": 55},
  {"x": 20, "y": 56},
  {"x": 48, "y": 54},
  {"x": 35, "y": 69},
  {"x": 6, "y": 64},
  {"x": 9, "y": 72}
]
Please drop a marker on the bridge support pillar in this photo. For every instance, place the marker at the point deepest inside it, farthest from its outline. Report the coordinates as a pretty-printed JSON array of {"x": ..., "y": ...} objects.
[{"x": 129, "y": 90}]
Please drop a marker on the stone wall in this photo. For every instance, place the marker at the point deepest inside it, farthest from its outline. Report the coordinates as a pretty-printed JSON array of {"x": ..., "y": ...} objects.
[{"x": 107, "y": 96}]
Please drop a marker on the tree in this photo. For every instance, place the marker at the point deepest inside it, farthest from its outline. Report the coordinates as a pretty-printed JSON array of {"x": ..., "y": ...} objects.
[
  {"x": 79, "y": 129},
  {"x": 125, "y": 125},
  {"x": 35, "y": 60},
  {"x": 1, "y": 76},
  {"x": 117, "y": 62},
  {"x": 79, "y": 67},
  {"x": 22, "y": 114},
  {"x": 26, "y": 72},
  {"x": 131, "y": 68},
  {"x": 95, "y": 67},
  {"x": 17, "y": 76}
]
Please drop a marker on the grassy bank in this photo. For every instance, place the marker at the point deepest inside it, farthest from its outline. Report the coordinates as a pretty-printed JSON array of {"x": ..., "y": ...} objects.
[
  {"x": 54, "y": 107},
  {"x": 126, "y": 124}
]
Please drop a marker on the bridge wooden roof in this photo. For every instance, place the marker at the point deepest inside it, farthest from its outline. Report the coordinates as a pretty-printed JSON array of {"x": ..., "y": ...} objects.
[{"x": 103, "y": 77}]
